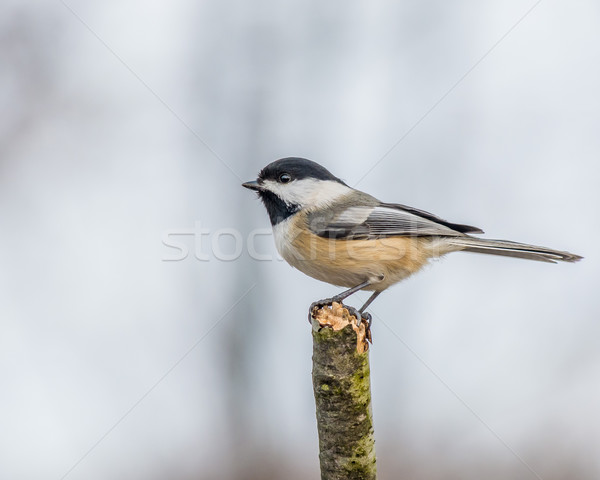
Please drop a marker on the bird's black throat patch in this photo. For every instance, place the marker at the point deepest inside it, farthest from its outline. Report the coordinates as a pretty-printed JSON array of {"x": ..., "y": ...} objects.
[{"x": 278, "y": 210}]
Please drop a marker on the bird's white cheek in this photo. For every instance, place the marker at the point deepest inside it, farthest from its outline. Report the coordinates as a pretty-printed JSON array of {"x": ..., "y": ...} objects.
[{"x": 308, "y": 192}]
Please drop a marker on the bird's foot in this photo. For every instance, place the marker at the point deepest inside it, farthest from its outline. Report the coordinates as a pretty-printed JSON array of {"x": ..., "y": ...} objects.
[
  {"x": 359, "y": 317},
  {"x": 318, "y": 305},
  {"x": 366, "y": 316},
  {"x": 362, "y": 317}
]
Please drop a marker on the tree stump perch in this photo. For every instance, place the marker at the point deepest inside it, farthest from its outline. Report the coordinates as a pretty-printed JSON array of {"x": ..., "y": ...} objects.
[{"x": 342, "y": 388}]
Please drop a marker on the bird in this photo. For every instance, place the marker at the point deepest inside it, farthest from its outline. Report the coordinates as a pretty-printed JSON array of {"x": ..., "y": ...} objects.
[{"x": 343, "y": 236}]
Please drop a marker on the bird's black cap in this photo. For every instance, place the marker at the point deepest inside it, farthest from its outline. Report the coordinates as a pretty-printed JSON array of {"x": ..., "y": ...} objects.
[
  {"x": 297, "y": 168},
  {"x": 294, "y": 168}
]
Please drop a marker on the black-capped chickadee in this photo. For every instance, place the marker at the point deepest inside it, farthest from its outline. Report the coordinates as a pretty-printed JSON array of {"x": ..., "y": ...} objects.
[{"x": 346, "y": 237}]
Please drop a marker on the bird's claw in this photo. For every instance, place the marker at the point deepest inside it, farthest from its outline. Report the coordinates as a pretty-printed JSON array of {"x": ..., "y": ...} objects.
[
  {"x": 365, "y": 316},
  {"x": 317, "y": 305},
  {"x": 360, "y": 317}
]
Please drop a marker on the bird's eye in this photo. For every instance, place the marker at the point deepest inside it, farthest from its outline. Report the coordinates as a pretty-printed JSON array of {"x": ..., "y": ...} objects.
[{"x": 285, "y": 178}]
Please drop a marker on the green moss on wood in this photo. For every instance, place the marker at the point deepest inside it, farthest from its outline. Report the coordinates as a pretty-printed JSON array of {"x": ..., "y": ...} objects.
[{"x": 341, "y": 381}]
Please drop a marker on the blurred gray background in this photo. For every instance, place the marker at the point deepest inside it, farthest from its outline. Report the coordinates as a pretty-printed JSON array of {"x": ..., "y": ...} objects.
[{"x": 125, "y": 126}]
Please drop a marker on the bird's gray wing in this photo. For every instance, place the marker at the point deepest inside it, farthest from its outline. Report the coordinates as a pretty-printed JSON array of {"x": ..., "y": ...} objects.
[{"x": 382, "y": 220}]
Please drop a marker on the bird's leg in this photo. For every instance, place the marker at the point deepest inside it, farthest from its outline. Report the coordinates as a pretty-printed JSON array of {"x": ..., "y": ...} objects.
[
  {"x": 367, "y": 315},
  {"x": 338, "y": 298}
]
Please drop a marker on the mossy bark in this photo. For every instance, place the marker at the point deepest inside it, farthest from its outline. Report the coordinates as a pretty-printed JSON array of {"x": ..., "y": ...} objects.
[{"x": 341, "y": 383}]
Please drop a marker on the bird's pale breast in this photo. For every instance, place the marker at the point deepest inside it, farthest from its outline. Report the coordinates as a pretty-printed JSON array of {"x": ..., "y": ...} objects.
[{"x": 350, "y": 262}]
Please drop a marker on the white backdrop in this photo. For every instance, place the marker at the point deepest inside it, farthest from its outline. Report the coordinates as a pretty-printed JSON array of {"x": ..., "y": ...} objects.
[{"x": 123, "y": 123}]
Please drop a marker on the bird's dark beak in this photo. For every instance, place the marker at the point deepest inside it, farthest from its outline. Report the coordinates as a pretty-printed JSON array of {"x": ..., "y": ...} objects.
[{"x": 253, "y": 185}]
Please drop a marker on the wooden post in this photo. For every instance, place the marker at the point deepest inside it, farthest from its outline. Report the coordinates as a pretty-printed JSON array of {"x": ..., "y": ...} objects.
[{"x": 342, "y": 388}]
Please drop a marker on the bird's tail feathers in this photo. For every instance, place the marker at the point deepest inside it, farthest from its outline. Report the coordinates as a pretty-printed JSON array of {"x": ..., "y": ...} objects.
[{"x": 511, "y": 249}]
